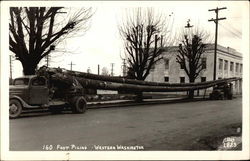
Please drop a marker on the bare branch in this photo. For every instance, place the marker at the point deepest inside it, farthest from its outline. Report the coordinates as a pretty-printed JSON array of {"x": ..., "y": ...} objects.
[
  {"x": 190, "y": 52},
  {"x": 142, "y": 34},
  {"x": 38, "y": 28}
]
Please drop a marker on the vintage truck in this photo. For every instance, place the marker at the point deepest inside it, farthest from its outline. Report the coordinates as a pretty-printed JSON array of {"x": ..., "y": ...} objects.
[{"x": 33, "y": 92}]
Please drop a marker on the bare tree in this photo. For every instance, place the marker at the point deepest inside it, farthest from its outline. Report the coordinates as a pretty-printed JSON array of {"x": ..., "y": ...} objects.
[
  {"x": 35, "y": 31},
  {"x": 190, "y": 55},
  {"x": 105, "y": 71},
  {"x": 144, "y": 35},
  {"x": 88, "y": 70}
]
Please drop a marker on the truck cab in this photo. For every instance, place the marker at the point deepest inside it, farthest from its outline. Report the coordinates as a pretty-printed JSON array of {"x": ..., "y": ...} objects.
[
  {"x": 31, "y": 89},
  {"x": 32, "y": 92},
  {"x": 28, "y": 92}
]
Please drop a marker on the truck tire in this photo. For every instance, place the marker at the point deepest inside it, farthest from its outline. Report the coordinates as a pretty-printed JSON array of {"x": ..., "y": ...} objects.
[
  {"x": 15, "y": 108},
  {"x": 79, "y": 105}
]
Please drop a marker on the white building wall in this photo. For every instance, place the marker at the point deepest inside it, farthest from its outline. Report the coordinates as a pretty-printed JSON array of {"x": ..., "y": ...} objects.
[{"x": 174, "y": 72}]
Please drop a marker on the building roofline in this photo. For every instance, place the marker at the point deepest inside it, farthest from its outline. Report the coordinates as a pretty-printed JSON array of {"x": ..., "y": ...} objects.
[
  {"x": 210, "y": 46},
  {"x": 226, "y": 50}
]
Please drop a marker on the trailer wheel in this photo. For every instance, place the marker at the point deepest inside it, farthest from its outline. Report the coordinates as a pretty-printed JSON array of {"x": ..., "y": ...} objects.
[
  {"x": 15, "y": 108},
  {"x": 79, "y": 105}
]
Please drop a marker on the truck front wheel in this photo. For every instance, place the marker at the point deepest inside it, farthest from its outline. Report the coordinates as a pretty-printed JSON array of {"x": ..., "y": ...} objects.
[
  {"x": 79, "y": 105},
  {"x": 15, "y": 108}
]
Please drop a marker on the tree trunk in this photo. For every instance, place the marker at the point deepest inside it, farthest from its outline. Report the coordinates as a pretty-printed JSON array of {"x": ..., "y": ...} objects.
[
  {"x": 139, "y": 95},
  {"x": 29, "y": 68},
  {"x": 191, "y": 92}
]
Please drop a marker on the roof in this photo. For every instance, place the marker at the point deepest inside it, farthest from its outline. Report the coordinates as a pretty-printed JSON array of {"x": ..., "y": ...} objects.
[{"x": 221, "y": 48}]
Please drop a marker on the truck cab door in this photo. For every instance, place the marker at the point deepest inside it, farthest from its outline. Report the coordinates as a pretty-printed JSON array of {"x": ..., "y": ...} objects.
[{"x": 39, "y": 92}]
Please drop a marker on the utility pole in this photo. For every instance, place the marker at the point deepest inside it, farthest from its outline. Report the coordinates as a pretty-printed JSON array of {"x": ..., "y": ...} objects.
[
  {"x": 98, "y": 69},
  {"x": 47, "y": 59},
  {"x": 71, "y": 64},
  {"x": 216, "y": 10},
  {"x": 112, "y": 69},
  {"x": 124, "y": 68}
]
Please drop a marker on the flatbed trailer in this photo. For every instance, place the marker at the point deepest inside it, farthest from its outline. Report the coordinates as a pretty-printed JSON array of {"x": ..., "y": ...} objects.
[{"x": 55, "y": 87}]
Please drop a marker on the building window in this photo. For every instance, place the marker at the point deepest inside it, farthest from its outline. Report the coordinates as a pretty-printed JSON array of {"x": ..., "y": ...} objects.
[
  {"x": 166, "y": 63},
  {"x": 225, "y": 64},
  {"x": 241, "y": 66},
  {"x": 237, "y": 68},
  {"x": 182, "y": 79},
  {"x": 220, "y": 64},
  {"x": 204, "y": 63},
  {"x": 231, "y": 66},
  {"x": 182, "y": 65},
  {"x": 166, "y": 79},
  {"x": 203, "y": 79}
]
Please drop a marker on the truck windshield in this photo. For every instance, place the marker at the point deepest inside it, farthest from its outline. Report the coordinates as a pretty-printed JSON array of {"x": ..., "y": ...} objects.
[{"x": 21, "y": 81}]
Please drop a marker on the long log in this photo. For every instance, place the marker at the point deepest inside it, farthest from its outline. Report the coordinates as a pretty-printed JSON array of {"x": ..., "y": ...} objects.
[
  {"x": 136, "y": 82},
  {"x": 51, "y": 71},
  {"x": 96, "y": 84},
  {"x": 66, "y": 79}
]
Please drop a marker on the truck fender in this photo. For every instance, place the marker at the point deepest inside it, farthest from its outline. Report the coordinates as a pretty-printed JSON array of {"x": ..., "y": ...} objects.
[{"x": 23, "y": 103}]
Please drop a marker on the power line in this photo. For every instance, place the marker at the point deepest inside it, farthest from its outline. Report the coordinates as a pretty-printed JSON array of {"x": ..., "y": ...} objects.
[
  {"x": 233, "y": 29},
  {"x": 229, "y": 30},
  {"x": 216, "y": 10},
  {"x": 233, "y": 33},
  {"x": 234, "y": 17}
]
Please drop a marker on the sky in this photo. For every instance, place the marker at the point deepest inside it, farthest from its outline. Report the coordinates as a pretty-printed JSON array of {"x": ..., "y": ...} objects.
[{"x": 102, "y": 43}]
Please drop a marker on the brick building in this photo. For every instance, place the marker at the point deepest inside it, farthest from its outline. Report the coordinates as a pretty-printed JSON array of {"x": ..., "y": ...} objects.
[{"x": 229, "y": 64}]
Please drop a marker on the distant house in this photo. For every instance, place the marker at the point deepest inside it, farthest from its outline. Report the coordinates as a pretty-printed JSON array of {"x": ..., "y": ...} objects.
[{"x": 229, "y": 64}]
